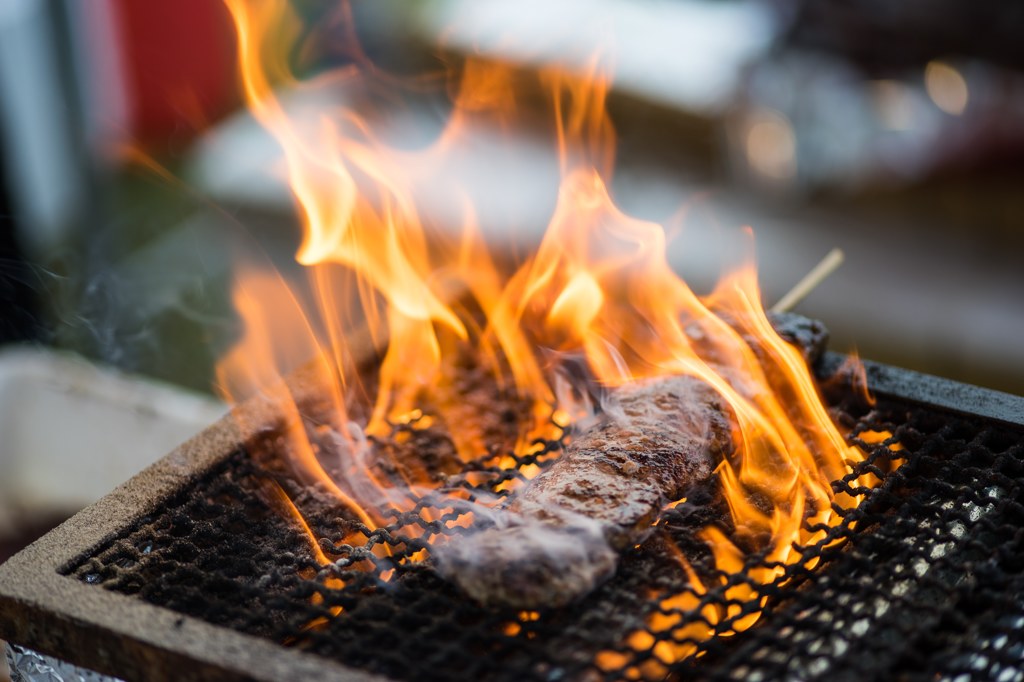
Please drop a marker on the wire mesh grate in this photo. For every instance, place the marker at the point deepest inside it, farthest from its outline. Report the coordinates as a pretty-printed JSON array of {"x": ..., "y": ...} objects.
[{"x": 923, "y": 580}]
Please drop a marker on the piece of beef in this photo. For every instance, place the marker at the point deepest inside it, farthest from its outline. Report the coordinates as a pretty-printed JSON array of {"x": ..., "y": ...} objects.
[{"x": 563, "y": 532}]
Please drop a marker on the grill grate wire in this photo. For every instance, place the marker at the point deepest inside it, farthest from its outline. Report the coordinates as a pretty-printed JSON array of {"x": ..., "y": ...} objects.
[{"x": 924, "y": 580}]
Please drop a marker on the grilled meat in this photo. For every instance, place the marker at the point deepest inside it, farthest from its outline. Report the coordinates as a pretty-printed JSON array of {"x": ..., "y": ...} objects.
[
  {"x": 562, "y": 534},
  {"x": 564, "y": 530}
]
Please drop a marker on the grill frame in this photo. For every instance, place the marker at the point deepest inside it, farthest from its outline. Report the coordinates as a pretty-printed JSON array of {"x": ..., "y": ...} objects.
[{"x": 117, "y": 634}]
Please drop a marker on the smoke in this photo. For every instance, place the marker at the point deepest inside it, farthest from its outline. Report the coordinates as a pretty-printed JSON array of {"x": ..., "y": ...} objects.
[
  {"x": 577, "y": 393},
  {"x": 22, "y": 287},
  {"x": 154, "y": 311},
  {"x": 151, "y": 294}
]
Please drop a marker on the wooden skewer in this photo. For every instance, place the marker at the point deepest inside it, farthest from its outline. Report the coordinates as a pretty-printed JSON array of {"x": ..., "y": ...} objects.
[{"x": 832, "y": 260}]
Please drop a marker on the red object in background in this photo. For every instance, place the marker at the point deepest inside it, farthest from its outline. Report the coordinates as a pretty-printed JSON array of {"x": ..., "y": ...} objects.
[{"x": 178, "y": 61}]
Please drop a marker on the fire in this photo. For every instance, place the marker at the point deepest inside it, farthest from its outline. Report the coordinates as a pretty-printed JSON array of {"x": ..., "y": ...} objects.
[{"x": 389, "y": 284}]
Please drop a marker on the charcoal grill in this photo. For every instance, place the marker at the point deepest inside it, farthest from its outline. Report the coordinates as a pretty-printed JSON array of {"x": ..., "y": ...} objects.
[{"x": 186, "y": 572}]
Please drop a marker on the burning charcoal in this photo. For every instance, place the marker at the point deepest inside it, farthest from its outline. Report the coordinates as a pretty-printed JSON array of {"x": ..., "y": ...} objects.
[{"x": 563, "y": 532}]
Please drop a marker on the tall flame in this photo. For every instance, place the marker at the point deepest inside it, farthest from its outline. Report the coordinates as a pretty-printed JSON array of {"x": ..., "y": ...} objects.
[{"x": 599, "y": 286}]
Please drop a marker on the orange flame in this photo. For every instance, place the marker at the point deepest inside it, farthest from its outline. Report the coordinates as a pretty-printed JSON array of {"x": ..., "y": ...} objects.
[{"x": 599, "y": 285}]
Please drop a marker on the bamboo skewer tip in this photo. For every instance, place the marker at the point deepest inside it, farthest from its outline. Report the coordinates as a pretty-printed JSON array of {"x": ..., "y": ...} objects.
[{"x": 832, "y": 260}]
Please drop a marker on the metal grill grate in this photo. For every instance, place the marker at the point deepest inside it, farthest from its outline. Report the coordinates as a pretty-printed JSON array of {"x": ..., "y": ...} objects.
[{"x": 927, "y": 584}]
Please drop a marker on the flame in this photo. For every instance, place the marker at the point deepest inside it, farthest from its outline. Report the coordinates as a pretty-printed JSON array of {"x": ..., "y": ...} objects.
[{"x": 599, "y": 288}]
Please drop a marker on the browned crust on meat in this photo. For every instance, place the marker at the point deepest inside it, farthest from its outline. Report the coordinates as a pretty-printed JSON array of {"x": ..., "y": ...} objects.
[
  {"x": 566, "y": 527},
  {"x": 659, "y": 437}
]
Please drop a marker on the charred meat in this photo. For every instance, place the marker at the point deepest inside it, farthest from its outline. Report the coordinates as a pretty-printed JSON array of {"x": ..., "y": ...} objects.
[{"x": 563, "y": 533}]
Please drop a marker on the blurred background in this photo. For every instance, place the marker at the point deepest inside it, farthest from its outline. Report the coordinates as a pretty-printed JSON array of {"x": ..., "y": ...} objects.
[{"x": 130, "y": 172}]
